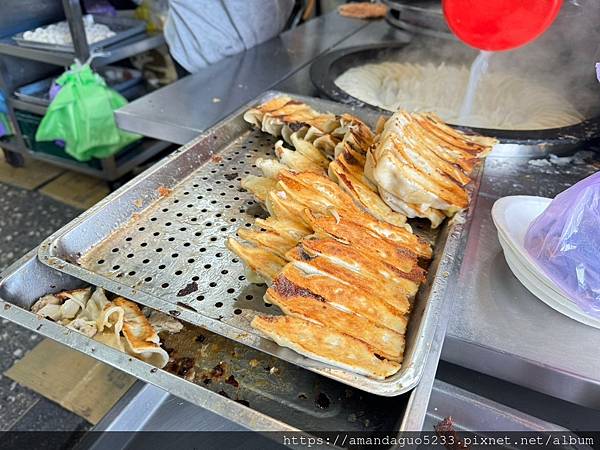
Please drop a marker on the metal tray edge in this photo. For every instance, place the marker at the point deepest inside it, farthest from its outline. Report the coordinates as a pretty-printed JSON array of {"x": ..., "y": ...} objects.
[{"x": 137, "y": 27}]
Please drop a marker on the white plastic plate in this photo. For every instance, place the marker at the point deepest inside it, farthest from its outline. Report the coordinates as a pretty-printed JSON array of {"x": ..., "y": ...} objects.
[{"x": 512, "y": 217}]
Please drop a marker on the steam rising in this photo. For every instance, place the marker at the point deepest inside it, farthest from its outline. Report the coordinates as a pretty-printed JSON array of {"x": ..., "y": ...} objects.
[{"x": 561, "y": 61}]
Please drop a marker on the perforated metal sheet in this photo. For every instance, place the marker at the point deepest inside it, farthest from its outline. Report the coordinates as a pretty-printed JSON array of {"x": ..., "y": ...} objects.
[
  {"x": 175, "y": 249},
  {"x": 160, "y": 240}
]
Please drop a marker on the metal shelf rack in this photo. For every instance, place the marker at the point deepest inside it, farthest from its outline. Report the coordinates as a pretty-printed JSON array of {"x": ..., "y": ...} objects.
[{"x": 21, "y": 65}]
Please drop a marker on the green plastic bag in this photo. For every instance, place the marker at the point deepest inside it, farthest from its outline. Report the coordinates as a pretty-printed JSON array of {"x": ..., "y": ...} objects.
[{"x": 82, "y": 115}]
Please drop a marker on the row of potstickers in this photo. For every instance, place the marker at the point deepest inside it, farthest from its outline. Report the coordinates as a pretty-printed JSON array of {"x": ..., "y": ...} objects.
[{"x": 341, "y": 263}]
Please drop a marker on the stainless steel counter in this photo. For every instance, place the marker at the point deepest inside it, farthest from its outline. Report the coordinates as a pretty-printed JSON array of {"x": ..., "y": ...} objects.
[
  {"x": 179, "y": 112},
  {"x": 497, "y": 327}
]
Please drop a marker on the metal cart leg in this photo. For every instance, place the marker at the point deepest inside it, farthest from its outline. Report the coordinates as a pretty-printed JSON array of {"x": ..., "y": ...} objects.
[{"x": 14, "y": 159}]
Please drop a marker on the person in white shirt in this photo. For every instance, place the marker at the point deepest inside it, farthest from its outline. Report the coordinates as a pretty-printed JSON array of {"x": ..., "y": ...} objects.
[{"x": 202, "y": 32}]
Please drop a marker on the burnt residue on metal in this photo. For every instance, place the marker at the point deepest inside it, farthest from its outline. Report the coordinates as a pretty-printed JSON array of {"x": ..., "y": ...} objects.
[
  {"x": 223, "y": 393},
  {"x": 230, "y": 176},
  {"x": 175, "y": 313},
  {"x": 188, "y": 289},
  {"x": 186, "y": 306},
  {"x": 218, "y": 370},
  {"x": 322, "y": 401},
  {"x": 232, "y": 381},
  {"x": 180, "y": 366}
]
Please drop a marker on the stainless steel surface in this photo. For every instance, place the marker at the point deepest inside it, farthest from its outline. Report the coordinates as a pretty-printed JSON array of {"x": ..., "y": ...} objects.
[
  {"x": 374, "y": 33},
  {"x": 148, "y": 408},
  {"x": 36, "y": 92},
  {"x": 283, "y": 399},
  {"x": 121, "y": 50},
  {"x": 25, "y": 105},
  {"x": 474, "y": 413},
  {"x": 421, "y": 397},
  {"x": 123, "y": 27},
  {"x": 497, "y": 327},
  {"x": 124, "y": 245},
  {"x": 11, "y": 48},
  {"x": 425, "y": 17},
  {"x": 181, "y": 111}
]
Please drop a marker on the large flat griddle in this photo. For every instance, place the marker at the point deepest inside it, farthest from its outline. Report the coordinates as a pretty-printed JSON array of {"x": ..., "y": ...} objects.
[{"x": 325, "y": 69}]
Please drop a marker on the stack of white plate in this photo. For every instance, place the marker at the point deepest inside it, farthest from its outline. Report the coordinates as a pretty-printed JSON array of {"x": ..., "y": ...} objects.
[{"x": 512, "y": 217}]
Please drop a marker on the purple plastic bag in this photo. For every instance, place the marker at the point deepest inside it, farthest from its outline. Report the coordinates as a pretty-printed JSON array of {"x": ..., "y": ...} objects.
[
  {"x": 565, "y": 242},
  {"x": 52, "y": 93}
]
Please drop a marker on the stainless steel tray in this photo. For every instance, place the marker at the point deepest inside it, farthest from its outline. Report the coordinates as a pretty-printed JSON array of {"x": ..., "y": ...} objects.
[
  {"x": 271, "y": 395},
  {"x": 123, "y": 27},
  {"x": 159, "y": 240}
]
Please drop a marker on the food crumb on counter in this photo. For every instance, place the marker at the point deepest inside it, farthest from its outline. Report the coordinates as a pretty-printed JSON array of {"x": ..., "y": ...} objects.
[{"x": 445, "y": 428}]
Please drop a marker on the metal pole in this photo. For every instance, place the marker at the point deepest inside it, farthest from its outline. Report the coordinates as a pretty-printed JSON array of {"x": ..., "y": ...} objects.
[
  {"x": 75, "y": 18},
  {"x": 6, "y": 87}
]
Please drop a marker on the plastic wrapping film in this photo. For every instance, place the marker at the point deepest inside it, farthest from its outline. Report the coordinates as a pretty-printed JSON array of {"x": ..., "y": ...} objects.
[{"x": 565, "y": 242}]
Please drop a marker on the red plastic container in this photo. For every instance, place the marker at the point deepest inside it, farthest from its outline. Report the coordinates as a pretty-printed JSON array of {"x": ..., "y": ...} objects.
[{"x": 497, "y": 25}]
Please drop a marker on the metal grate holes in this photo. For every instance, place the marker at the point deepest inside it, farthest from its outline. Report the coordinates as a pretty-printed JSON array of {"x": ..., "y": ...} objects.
[{"x": 175, "y": 249}]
